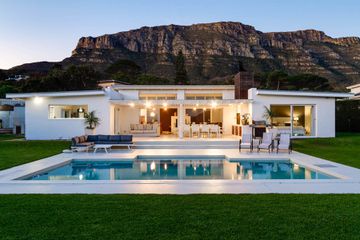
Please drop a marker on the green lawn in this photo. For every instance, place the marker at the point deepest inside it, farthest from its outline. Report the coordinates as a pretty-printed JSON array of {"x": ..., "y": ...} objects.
[
  {"x": 180, "y": 217},
  {"x": 345, "y": 148},
  {"x": 5, "y": 137},
  {"x": 16, "y": 152},
  {"x": 268, "y": 216}
]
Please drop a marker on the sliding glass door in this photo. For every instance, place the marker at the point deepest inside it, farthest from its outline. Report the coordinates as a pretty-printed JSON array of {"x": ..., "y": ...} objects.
[{"x": 297, "y": 120}]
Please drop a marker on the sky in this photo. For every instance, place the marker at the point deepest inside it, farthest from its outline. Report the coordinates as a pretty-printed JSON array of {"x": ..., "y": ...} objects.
[{"x": 48, "y": 30}]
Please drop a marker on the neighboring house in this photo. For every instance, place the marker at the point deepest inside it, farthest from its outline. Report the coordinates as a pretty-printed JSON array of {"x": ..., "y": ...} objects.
[
  {"x": 12, "y": 116},
  {"x": 17, "y": 78},
  {"x": 355, "y": 89},
  {"x": 151, "y": 110}
]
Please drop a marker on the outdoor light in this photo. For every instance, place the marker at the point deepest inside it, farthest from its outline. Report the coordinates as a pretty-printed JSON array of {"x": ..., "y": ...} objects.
[
  {"x": 38, "y": 100},
  {"x": 194, "y": 109},
  {"x": 148, "y": 104},
  {"x": 197, "y": 104},
  {"x": 165, "y": 104},
  {"x": 153, "y": 109},
  {"x": 132, "y": 104},
  {"x": 213, "y": 104},
  {"x": 81, "y": 110},
  {"x": 165, "y": 166},
  {"x": 152, "y": 114},
  {"x": 204, "y": 109},
  {"x": 81, "y": 177}
]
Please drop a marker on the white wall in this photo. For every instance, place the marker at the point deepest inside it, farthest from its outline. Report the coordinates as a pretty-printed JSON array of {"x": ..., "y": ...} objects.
[
  {"x": 39, "y": 126},
  {"x": 127, "y": 115},
  {"x": 129, "y": 94},
  {"x": 324, "y": 110}
]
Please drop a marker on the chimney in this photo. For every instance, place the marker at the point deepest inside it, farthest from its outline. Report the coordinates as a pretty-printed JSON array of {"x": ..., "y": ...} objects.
[{"x": 243, "y": 82}]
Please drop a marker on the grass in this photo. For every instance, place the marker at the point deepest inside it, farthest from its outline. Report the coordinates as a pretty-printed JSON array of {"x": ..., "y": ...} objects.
[
  {"x": 268, "y": 216},
  {"x": 5, "y": 137},
  {"x": 18, "y": 152},
  {"x": 180, "y": 217},
  {"x": 344, "y": 149}
]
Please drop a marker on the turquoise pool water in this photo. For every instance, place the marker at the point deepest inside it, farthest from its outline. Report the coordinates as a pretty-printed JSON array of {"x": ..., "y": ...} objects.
[{"x": 175, "y": 169}]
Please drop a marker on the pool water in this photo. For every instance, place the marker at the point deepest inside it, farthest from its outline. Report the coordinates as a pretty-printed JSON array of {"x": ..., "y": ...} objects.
[{"x": 177, "y": 169}]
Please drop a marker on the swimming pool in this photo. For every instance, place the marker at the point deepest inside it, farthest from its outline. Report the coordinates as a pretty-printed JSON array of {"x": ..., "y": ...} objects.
[{"x": 185, "y": 168}]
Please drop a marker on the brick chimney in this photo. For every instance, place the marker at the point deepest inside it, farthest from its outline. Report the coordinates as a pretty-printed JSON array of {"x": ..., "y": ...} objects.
[{"x": 243, "y": 82}]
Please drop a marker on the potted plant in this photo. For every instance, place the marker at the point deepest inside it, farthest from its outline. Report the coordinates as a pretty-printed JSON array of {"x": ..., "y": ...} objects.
[
  {"x": 268, "y": 115},
  {"x": 245, "y": 119},
  {"x": 91, "y": 121}
]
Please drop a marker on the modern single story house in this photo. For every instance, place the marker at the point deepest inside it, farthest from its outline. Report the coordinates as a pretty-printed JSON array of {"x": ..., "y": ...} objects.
[
  {"x": 12, "y": 116},
  {"x": 355, "y": 89},
  {"x": 181, "y": 110}
]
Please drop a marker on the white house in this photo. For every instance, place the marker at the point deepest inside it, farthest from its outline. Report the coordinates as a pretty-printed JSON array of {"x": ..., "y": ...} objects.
[
  {"x": 181, "y": 110},
  {"x": 355, "y": 89},
  {"x": 12, "y": 116}
]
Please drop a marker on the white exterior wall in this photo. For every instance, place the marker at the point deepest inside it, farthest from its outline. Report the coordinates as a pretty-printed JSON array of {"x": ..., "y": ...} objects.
[
  {"x": 127, "y": 116},
  {"x": 40, "y": 127},
  {"x": 19, "y": 118},
  {"x": 129, "y": 94},
  {"x": 324, "y": 109},
  {"x": 228, "y": 94}
]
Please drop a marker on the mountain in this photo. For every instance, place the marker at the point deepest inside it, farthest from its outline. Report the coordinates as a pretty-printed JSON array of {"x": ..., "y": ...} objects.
[{"x": 213, "y": 51}]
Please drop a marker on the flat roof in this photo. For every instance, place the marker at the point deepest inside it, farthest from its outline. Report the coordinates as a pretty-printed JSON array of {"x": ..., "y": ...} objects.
[
  {"x": 173, "y": 87},
  {"x": 303, "y": 93},
  {"x": 56, "y": 94},
  {"x": 353, "y": 86}
]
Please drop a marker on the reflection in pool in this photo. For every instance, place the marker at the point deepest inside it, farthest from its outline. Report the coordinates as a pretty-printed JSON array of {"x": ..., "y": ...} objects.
[{"x": 177, "y": 169}]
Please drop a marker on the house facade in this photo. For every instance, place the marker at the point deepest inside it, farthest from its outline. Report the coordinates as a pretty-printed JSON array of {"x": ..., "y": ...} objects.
[
  {"x": 12, "y": 116},
  {"x": 179, "y": 110}
]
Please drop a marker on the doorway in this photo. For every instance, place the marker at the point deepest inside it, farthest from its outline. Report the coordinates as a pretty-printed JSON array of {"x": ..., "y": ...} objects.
[{"x": 166, "y": 114}]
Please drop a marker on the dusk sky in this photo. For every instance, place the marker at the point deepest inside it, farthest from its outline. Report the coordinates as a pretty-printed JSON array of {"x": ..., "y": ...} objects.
[{"x": 38, "y": 30}]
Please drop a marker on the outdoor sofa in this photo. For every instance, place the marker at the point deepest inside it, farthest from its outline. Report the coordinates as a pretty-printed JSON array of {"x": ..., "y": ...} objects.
[{"x": 90, "y": 140}]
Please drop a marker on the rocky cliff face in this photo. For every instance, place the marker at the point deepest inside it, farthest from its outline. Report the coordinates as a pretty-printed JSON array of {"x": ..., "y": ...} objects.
[{"x": 213, "y": 50}]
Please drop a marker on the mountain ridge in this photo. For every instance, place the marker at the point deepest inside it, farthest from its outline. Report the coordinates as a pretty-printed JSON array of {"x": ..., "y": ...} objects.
[{"x": 213, "y": 51}]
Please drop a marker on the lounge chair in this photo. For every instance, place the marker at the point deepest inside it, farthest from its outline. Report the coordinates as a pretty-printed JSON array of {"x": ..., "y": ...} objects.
[
  {"x": 285, "y": 143},
  {"x": 246, "y": 142},
  {"x": 266, "y": 142}
]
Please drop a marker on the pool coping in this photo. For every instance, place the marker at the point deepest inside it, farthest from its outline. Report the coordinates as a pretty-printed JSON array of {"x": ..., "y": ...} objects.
[{"x": 348, "y": 177}]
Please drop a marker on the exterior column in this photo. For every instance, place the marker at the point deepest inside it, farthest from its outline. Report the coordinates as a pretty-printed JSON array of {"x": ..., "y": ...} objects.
[{"x": 181, "y": 121}]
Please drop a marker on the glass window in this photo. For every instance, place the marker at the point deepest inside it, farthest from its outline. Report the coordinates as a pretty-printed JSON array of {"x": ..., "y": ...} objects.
[
  {"x": 297, "y": 120},
  {"x": 203, "y": 97},
  {"x": 67, "y": 111}
]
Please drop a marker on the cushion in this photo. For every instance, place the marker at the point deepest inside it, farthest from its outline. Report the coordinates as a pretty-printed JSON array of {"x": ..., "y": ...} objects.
[
  {"x": 149, "y": 127},
  {"x": 92, "y": 138},
  {"x": 74, "y": 140},
  {"x": 126, "y": 138},
  {"x": 82, "y": 139},
  {"x": 132, "y": 126},
  {"x": 115, "y": 138},
  {"x": 103, "y": 137}
]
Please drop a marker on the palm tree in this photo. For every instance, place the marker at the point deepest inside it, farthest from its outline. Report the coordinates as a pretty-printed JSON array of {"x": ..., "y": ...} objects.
[
  {"x": 268, "y": 114},
  {"x": 91, "y": 120}
]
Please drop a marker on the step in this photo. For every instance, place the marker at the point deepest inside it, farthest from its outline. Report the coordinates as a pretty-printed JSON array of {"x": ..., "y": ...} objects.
[{"x": 200, "y": 146}]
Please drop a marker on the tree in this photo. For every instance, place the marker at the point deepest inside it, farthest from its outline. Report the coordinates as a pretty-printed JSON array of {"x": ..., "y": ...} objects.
[
  {"x": 124, "y": 70},
  {"x": 180, "y": 70},
  {"x": 4, "y": 89},
  {"x": 3, "y": 75}
]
